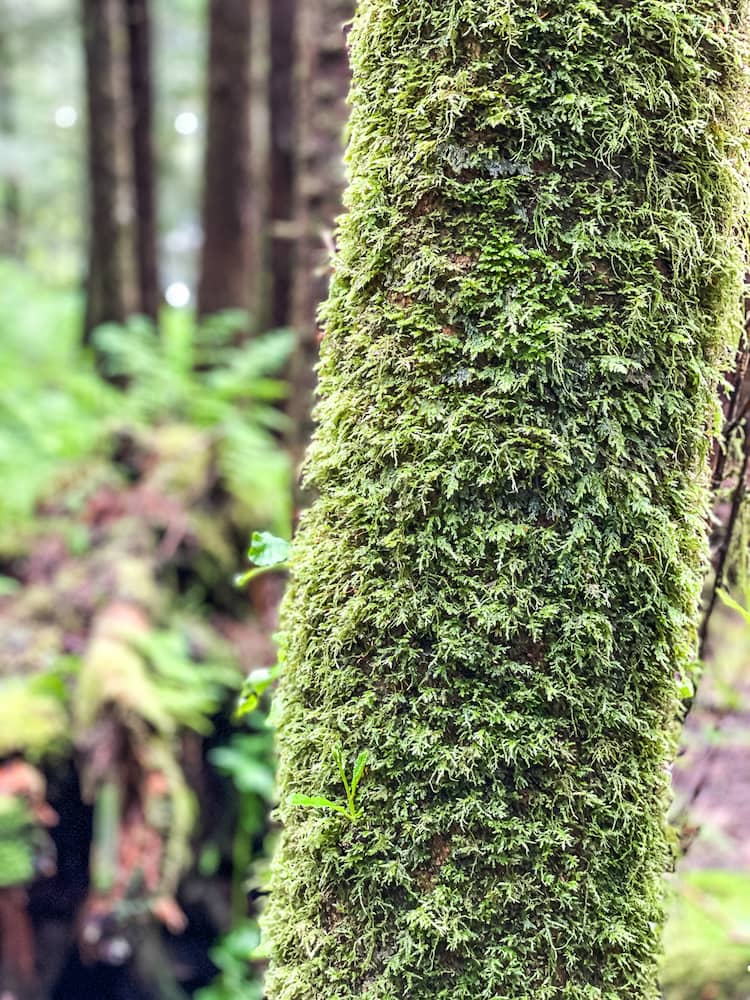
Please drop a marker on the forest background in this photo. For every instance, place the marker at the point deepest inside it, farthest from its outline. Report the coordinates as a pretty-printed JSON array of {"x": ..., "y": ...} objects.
[{"x": 170, "y": 175}]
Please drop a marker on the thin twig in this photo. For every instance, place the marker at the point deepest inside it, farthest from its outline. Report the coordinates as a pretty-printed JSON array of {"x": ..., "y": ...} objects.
[
  {"x": 736, "y": 412},
  {"x": 722, "y": 554}
]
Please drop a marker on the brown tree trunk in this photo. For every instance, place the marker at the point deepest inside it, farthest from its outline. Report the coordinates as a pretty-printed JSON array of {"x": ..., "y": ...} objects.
[
  {"x": 141, "y": 88},
  {"x": 282, "y": 100},
  {"x": 10, "y": 210},
  {"x": 225, "y": 280},
  {"x": 322, "y": 85},
  {"x": 112, "y": 289}
]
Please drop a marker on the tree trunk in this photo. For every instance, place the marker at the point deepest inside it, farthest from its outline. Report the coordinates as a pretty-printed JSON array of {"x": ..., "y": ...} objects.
[
  {"x": 495, "y": 592},
  {"x": 112, "y": 289},
  {"x": 225, "y": 280},
  {"x": 282, "y": 120},
  {"x": 140, "y": 34},
  {"x": 322, "y": 85},
  {"x": 10, "y": 219}
]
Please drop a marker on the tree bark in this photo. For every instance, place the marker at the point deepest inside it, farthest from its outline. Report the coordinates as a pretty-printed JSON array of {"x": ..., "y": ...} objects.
[
  {"x": 323, "y": 79},
  {"x": 225, "y": 279},
  {"x": 282, "y": 121},
  {"x": 494, "y": 595},
  {"x": 144, "y": 171},
  {"x": 10, "y": 227},
  {"x": 112, "y": 286}
]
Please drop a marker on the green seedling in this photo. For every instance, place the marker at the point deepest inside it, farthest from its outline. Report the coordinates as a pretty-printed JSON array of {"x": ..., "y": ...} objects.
[
  {"x": 254, "y": 687},
  {"x": 349, "y": 808},
  {"x": 268, "y": 553}
]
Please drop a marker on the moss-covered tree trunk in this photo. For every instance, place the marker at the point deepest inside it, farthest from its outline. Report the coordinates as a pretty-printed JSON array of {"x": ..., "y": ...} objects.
[{"x": 495, "y": 592}]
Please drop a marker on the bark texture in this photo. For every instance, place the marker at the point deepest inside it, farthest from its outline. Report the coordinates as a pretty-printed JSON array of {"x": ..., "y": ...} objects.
[
  {"x": 225, "y": 280},
  {"x": 495, "y": 593},
  {"x": 323, "y": 79},
  {"x": 281, "y": 186},
  {"x": 10, "y": 208},
  {"x": 144, "y": 170},
  {"x": 112, "y": 284}
]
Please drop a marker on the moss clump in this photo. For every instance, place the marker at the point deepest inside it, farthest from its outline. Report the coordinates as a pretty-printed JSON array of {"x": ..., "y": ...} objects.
[{"x": 495, "y": 591}]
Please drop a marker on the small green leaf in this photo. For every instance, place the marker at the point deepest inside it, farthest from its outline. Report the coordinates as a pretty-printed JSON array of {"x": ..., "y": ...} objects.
[
  {"x": 268, "y": 553},
  {"x": 685, "y": 687},
  {"x": 359, "y": 766},
  {"x": 316, "y": 802},
  {"x": 734, "y": 605},
  {"x": 614, "y": 364},
  {"x": 246, "y": 703},
  {"x": 338, "y": 756},
  {"x": 255, "y": 686},
  {"x": 267, "y": 550}
]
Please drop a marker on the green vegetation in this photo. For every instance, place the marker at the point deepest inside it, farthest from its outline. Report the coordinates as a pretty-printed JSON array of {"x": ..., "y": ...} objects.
[
  {"x": 124, "y": 513},
  {"x": 495, "y": 592},
  {"x": 348, "y": 808},
  {"x": 16, "y": 833},
  {"x": 247, "y": 760},
  {"x": 490, "y": 628},
  {"x": 266, "y": 553},
  {"x": 33, "y": 717},
  {"x": 231, "y": 956},
  {"x": 708, "y": 938},
  {"x": 56, "y": 410}
]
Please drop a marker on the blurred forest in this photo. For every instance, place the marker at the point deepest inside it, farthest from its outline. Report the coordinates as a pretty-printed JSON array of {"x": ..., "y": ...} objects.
[
  {"x": 169, "y": 178},
  {"x": 170, "y": 175}
]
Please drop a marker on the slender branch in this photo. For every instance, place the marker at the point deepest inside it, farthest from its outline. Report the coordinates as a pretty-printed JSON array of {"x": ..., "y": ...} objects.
[
  {"x": 736, "y": 413},
  {"x": 722, "y": 555}
]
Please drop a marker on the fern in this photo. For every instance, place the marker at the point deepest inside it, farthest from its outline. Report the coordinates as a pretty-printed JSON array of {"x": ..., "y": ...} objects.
[{"x": 57, "y": 411}]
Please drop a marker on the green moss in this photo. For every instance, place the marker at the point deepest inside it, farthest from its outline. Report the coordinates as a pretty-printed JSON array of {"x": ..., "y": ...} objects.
[{"x": 495, "y": 593}]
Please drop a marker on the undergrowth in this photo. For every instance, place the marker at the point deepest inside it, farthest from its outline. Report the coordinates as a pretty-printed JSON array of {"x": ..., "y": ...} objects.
[
  {"x": 132, "y": 477},
  {"x": 56, "y": 409}
]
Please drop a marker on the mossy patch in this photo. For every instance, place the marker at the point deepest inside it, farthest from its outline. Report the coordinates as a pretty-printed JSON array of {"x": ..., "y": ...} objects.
[{"x": 495, "y": 592}]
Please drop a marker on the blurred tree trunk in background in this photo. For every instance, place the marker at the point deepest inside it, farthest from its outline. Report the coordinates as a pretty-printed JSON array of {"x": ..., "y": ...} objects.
[
  {"x": 141, "y": 89},
  {"x": 322, "y": 86},
  {"x": 225, "y": 281},
  {"x": 112, "y": 287},
  {"x": 282, "y": 122},
  {"x": 10, "y": 220}
]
